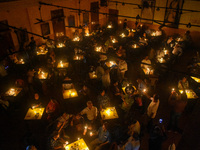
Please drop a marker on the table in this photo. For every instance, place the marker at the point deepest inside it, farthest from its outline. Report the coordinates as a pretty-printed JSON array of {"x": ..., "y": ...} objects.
[
  {"x": 196, "y": 79},
  {"x": 13, "y": 92},
  {"x": 92, "y": 75},
  {"x": 79, "y": 144},
  {"x": 190, "y": 93},
  {"x": 43, "y": 75},
  {"x": 71, "y": 93},
  {"x": 111, "y": 64},
  {"x": 109, "y": 113},
  {"x": 62, "y": 65},
  {"x": 34, "y": 114},
  {"x": 123, "y": 89}
]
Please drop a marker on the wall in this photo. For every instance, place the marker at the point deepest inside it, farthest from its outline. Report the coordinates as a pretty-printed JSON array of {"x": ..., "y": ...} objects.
[{"x": 22, "y": 13}]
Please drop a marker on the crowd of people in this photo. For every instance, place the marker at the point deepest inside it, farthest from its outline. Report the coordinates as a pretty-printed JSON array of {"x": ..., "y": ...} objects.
[{"x": 136, "y": 102}]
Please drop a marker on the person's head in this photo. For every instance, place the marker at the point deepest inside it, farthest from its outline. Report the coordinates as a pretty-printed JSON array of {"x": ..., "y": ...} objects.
[
  {"x": 36, "y": 96},
  {"x": 84, "y": 87},
  {"x": 89, "y": 104},
  {"x": 32, "y": 38},
  {"x": 78, "y": 116},
  {"x": 120, "y": 47},
  {"x": 156, "y": 97},
  {"x": 125, "y": 20},
  {"x": 187, "y": 32},
  {"x": 105, "y": 126},
  {"x": 115, "y": 83},
  {"x": 184, "y": 79},
  {"x": 139, "y": 80}
]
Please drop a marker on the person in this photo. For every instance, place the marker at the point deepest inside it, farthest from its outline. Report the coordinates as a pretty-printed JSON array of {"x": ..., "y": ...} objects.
[
  {"x": 125, "y": 24},
  {"x": 121, "y": 52},
  {"x": 157, "y": 136},
  {"x": 146, "y": 63},
  {"x": 64, "y": 118},
  {"x": 122, "y": 68},
  {"x": 177, "y": 51},
  {"x": 117, "y": 92},
  {"x": 54, "y": 141},
  {"x": 90, "y": 111},
  {"x": 152, "y": 109},
  {"x": 77, "y": 122},
  {"x": 103, "y": 100},
  {"x": 183, "y": 84},
  {"x": 134, "y": 128},
  {"x": 178, "y": 104},
  {"x": 100, "y": 71},
  {"x": 141, "y": 85},
  {"x": 106, "y": 79},
  {"x": 102, "y": 139},
  {"x": 133, "y": 143},
  {"x": 52, "y": 109},
  {"x": 36, "y": 102}
]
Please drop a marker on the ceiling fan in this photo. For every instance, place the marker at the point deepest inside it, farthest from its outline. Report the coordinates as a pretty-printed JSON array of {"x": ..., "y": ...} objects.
[{"x": 40, "y": 20}]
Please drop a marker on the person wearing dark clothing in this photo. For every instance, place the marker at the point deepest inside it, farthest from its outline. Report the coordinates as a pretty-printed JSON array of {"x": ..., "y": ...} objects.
[{"x": 157, "y": 136}]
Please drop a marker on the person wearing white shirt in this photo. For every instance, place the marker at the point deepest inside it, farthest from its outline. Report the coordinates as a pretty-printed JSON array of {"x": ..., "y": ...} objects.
[
  {"x": 90, "y": 111},
  {"x": 153, "y": 106},
  {"x": 122, "y": 68},
  {"x": 152, "y": 110},
  {"x": 146, "y": 63}
]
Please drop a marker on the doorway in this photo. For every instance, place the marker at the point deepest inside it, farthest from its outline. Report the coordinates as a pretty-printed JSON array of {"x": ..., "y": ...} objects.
[
  {"x": 94, "y": 7},
  {"x": 113, "y": 17}
]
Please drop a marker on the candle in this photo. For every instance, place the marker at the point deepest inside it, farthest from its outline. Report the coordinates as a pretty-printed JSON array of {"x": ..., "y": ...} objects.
[
  {"x": 135, "y": 46},
  {"x": 73, "y": 94},
  {"x": 78, "y": 138},
  {"x": 123, "y": 35},
  {"x": 165, "y": 52},
  {"x": 87, "y": 34},
  {"x": 66, "y": 142},
  {"x": 108, "y": 112},
  {"x": 173, "y": 89},
  {"x": 161, "y": 60},
  {"x": 91, "y": 133},
  {"x": 109, "y": 26},
  {"x": 144, "y": 90}
]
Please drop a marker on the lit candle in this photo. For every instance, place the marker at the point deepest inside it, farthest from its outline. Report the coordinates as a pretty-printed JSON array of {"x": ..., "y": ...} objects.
[
  {"x": 173, "y": 89},
  {"x": 91, "y": 133},
  {"x": 87, "y": 34},
  {"x": 123, "y": 35},
  {"x": 73, "y": 94},
  {"x": 108, "y": 112},
  {"x": 135, "y": 46},
  {"x": 165, "y": 52},
  {"x": 78, "y": 138},
  {"x": 109, "y": 26},
  {"x": 161, "y": 60},
  {"x": 66, "y": 142},
  {"x": 144, "y": 90},
  {"x": 181, "y": 91}
]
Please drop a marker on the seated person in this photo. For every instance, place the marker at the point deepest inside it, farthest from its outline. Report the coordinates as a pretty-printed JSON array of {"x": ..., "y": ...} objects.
[
  {"x": 64, "y": 118},
  {"x": 177, "y": 51},
  {"x": 55, "y": 142},
  {"x": 134, "y": 128},
  {"x": 143, "y": 40},
  {"x": 117, "y": 92},
  {"x": 147, "y": 63},
  {"x": 36, "y": 102},
  {"x": 103, "y": 100},
  {"x": 85, "y": 91},
  {"x": 102, "y": 139},
  {"x": 138, "y": 104},
  {"x": 90, "y": 111},
  {"x": 121, "y": 52},
  {"x": 133, "y": 143},
  {"x": 183, "y": 84},
  {"x": 52, "y": 109},
  {"x": 77, "y": 122},
  {"x": 122, "y": 68}
]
